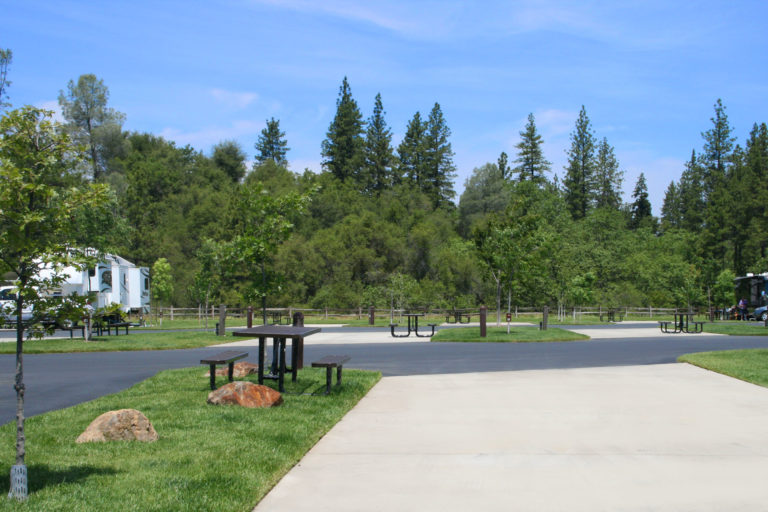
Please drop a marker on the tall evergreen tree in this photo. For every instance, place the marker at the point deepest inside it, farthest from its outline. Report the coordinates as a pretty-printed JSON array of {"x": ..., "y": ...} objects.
[
  {"x": 440, "y": 170},
  {"x": 581, "y": 167},
  {"x": 530, "y": 159},
  {"x": 342, "y": 148},
  {"x": 691, "y": 192},
  {"x": 271, "y": 144},
  {"x": 671, "y": 216},
  {"x": 6, "y": 56},
  {"x": 756, "y": 160},
  {"x": 718, "y": 147},
  {"x": 379, "y": 158},
  {"x": 410, "y": 152},
  {"x": 89, "y": 120},
  {"x": 641, "y": 206},
  {"x": 503, "y": 166},
  {"x": 607, "y": 178}
]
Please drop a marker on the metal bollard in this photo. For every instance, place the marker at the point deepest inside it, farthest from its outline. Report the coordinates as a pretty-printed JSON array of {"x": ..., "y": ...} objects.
[{"x": 483, "y": 318}]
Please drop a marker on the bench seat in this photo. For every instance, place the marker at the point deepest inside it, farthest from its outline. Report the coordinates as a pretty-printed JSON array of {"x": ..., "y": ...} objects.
[
  {"x": 227, "y": 357},
  {"x": 330, "y": 362}
]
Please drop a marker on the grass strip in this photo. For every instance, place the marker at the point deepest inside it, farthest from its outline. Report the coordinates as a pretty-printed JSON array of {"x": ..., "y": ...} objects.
[
  {"x": 518, "y": 334},
  {"x": 133, "y": 341},
  {"x": 750, "y": 365},
  {"x": 207, "y": 458},
  {"x": 737, "y": 328}
]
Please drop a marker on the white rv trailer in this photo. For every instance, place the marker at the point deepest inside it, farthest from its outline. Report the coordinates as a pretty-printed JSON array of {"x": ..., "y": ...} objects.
[{"x": 113, "y": 280}]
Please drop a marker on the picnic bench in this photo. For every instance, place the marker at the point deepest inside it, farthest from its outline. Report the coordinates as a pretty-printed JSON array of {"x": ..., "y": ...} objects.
[
  {"x": 330, "y": 362},
  {"x": 227, "y": 357}
]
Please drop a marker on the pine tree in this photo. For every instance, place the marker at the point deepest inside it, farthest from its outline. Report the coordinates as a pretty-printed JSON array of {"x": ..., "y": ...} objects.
[
  {"x": 89, "y": 121},
  {"x": 6, "y": 56},
  {"x": 718, "y": 146},
  {"x": 530, "y": 159},
  {"x": 607, "y": 178},
  {"x": 691, "y": 192},
  {"x": 439, "y": 167},
  {"x": 581, "y": 167},
  {"x": 271, "y": 144},
  {"x": 641, "y": 206},
  {"x": 670, "y": 211},
  {"x": 342, "y": 149},
  {"x": 230, "y": 158},
  {"x": 504, "y": 171},
  {"x": 410, "y": 152},
  {"x": 377, "y": 149}
]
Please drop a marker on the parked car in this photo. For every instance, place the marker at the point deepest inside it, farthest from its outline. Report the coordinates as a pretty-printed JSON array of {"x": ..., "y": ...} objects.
[
  {"x": 8, "y": 306},
  {"x": 761, "y": 313}
]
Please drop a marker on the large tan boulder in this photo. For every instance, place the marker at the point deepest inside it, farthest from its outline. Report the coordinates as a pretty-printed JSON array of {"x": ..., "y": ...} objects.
[
  {"x": 246, "y": 394},
  {"x": 122, "y": 425},
  {"x": 241, "y": 369}
]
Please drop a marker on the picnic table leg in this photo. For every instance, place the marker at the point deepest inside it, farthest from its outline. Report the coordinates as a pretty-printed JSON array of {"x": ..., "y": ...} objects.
[
  {"x": 338, "y": 375},
  {"x": 262, "y": 342},
  {"x": 281, "y": 372},
  {"x": 213, "y": 376},
  {"x": 328, "y": 380},
  {"x": 231, "y": 372},
  {"x": 295, "y": 358}
]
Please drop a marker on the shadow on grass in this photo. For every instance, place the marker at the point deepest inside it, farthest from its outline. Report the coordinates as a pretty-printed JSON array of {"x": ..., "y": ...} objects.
[{"x": 41, "y": 476}]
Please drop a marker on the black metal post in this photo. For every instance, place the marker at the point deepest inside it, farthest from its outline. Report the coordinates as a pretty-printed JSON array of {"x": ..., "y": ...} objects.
[{"x": 483, "y": 317}]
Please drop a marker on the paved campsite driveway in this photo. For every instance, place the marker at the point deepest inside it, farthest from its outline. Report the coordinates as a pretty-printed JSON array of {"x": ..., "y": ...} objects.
[{"x": 55, "y": 381}]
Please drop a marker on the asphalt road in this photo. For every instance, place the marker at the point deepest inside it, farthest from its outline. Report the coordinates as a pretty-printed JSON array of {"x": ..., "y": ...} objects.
[{"x": 55, "y": 381}]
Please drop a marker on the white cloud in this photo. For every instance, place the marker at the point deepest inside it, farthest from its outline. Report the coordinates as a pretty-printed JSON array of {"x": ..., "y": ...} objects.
[
  {"x": 234, "y": 99},
  {"x": 207, "y": 137}
]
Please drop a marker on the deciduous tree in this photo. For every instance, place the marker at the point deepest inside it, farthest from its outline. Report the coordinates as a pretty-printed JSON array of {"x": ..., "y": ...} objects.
[{"x": 39, "y": 203}]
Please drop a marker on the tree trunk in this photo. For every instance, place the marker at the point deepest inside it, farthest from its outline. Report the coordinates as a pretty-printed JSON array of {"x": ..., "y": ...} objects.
[{"x": 19, "y": 470}]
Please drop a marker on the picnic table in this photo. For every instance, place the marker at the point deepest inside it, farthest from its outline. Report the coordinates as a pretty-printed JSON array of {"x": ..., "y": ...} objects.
[
  {"x": 413, "y": 326},
  {"x": 459, "y": 316},
  {"x": 279, "y": 334},
  {"x": 683, "y": 322}
]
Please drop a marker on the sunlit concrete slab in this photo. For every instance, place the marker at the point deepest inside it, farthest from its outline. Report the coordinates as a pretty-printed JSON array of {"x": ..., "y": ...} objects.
[{"x": 660, "y": 437}]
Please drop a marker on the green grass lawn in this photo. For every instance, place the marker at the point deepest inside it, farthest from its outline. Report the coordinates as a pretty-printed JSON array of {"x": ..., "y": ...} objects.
[
  {"x": 207, "y": 458},
  {"x": 737, "y": 328},
  {"x": 750, "y": 365},
  {"x": 134, "y": 341},
  {"x": 520, "y": 334}
]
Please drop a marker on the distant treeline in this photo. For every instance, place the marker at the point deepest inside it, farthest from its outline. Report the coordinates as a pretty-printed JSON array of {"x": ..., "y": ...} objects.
[{"x": 379, "y": 225}]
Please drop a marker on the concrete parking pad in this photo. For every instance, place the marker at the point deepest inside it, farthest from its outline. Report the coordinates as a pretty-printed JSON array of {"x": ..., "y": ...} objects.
[{"x": 658, "y": 437}]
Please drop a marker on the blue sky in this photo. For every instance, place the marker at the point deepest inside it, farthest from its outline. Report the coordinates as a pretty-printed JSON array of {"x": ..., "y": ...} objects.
[{"x": 198, "y": 72}]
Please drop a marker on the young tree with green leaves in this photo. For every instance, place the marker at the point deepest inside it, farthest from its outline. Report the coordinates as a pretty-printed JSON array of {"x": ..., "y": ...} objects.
[
  {"x": 230, "y": 158},
  {"x": 89, "y": 120},
  {"x": 342, "y": 149},
  {"x": 40, "y": 203},
  {"x": 258, "y": 223},
  {"x": 530, "y": 159},
  {"x": 6, "y": 56},
  {"x": 162, "y": 282},
  {"x": 271, "y": 144},
  {"x": 379, "y": 158},
  {"x": 580, "y": 170}
]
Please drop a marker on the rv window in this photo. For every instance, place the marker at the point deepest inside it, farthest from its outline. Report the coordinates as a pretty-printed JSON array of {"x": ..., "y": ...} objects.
[
  {"x": 146, "y": 283},
  {"x": 7, "y": 294},
  {"x": 91, "y": 272}
]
